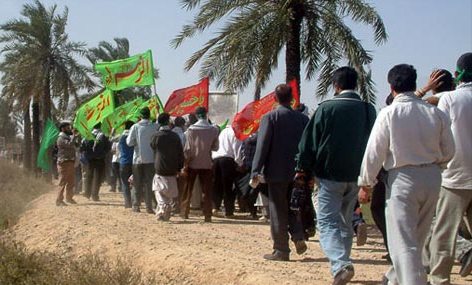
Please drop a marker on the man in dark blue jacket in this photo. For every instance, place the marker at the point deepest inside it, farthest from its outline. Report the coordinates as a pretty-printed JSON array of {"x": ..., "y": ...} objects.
[
  {"x": 126, "y": 164},
  {"x": 279, "y": 133}
]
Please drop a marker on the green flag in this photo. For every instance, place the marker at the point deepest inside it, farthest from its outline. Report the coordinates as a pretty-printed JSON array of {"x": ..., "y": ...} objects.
[
  {"x": 223, "y": 126},
  {"x": 93, "y": 112},
  {"x": 117, "y": 119},
  {"x": 137, "y": 70},
  {"x": 49, "y": 137},
  {"x": 155, "y": 107}
]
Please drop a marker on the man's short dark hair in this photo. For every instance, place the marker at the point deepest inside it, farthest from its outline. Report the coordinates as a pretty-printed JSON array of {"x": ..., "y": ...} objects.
[
  {"x": 389, "y": 99},
  {"x": 402, "y": 78},
  {"x": 447, "y": 82},
  {"x": 179, "y": 122},
  {"x": 283, "y": 93},
  {"x": 200, "y": 112},
  {"x": 97, "y": 126},
  {"x": 163, "y": 119},
  {"x": 464, "y": 64},
  {"x": 63, "y": 125},
  {"x": 345, "y": 78},
  {"x": 145, "y": 113},
  {"x": 128, "y": 125}
]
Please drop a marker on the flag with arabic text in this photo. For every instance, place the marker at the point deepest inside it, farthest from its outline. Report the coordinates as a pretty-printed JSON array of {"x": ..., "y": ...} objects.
[
  {"x": 246, "y": 121},
  {"x": 93, "y": 112},
  {"x": 184, "y": 101},
  {"x": 137, "y": 70}
]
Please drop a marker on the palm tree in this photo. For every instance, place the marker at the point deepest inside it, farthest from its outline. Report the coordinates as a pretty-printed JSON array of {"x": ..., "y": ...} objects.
[
  {"x": 40, "y": 39},
  {"x": 18, "y": 85},
  {"x": 313, "y": 34},
  {"x": 38, "y": 50},
  {"x": 107, "y": 52}
]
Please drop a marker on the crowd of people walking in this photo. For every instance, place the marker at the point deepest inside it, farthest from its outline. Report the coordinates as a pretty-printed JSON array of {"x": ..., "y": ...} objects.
[{"x": 412, "y": 161}]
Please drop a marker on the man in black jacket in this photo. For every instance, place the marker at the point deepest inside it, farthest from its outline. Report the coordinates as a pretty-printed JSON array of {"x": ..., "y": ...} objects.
[
  {"x": 168, "y": 161},
  {"x": 279, "y": 133},
  {"x": 95, "y": 152}
]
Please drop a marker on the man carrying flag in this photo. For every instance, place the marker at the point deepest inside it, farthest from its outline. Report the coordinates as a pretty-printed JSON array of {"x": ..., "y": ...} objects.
[{"x": 67, "y": 142}]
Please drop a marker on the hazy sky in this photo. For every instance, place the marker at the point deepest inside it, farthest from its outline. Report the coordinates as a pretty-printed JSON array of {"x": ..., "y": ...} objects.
[{"x": 426, "y": 33}]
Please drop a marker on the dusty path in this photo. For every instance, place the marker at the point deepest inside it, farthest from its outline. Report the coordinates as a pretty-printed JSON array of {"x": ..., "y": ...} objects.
[{"x": 184, "y": 252}]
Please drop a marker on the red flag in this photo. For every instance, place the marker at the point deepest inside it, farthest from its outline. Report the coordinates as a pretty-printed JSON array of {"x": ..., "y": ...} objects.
[
  {"x": 184, "y": 101},
  {"x": 246, "y": 122}
]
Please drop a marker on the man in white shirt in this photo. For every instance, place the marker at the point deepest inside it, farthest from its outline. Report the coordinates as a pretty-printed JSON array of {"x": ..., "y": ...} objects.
[
  {"x": 225, "y": 162},
  {"x": 139, "y": 137},
  {"x": 411, "y": 139},
  {"x": 455, "y": 197}
]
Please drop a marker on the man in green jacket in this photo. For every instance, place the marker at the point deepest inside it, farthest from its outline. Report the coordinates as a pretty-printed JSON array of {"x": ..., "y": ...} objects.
[{"x": 331, "y": 149}]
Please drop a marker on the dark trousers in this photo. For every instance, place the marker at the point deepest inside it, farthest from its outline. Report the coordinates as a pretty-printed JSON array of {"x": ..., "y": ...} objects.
[
  {"x": 224, "y": 171},
  {"x": 125, "y": 172},
  {"x": 142, "y": 179},
  {"x": 94, "y": 178},
  {"x": 115, "y": 177},
  {"x": 206, "y": 176},
  {"x": 377, "y": 207},
  {"x": 248, "y": 195},
  {"x": 78, "y": 179},
  {"x": 282, "y": 220}
]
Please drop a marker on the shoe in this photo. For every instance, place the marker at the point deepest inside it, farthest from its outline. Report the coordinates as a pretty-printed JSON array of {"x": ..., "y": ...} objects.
[
  {"x": 387, "y": 257},
  {"x": 264, "y": 219},
  {"x": 150, "y": 211},
  {"x": 161, "y": 219},
  {"x": 301, "y": 247},
  {"x": 208, "y": 219},
  {"x": 136, "y": 210},
  {"x": 344, "y": 275},
  {"x": 466, "y": 264},
  {"x": 60, "y": 203},
  {"x": 277, "y": 256},
  {"x": 71, "y": 201},
  {"x": 361, "y": 236}
]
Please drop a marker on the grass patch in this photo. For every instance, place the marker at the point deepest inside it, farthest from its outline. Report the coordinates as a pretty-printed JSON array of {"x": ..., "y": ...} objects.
[
  {"x": 19, "y": 266},
  {"x": 17, "y": 189}
]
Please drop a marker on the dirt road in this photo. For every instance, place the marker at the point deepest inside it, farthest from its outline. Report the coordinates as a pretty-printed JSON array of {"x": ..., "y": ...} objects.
[{"x": 185, "y": 251}]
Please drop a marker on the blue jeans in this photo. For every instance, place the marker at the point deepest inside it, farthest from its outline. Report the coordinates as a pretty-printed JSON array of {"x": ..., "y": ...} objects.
[{"x": 336, "y": 202}]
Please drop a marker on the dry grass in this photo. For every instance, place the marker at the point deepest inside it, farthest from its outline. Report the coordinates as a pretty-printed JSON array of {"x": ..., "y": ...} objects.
[
  {"x": 23, "y": 267},
  {"x": 17, "y": 189}
]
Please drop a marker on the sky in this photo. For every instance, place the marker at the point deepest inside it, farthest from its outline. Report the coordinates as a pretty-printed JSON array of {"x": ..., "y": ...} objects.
[{"x": 428, "y": 34}]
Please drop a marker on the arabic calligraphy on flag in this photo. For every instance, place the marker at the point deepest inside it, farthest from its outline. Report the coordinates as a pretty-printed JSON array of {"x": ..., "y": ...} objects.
[
  {"x": 137, "y": 70},
  {"x": 93, "y": 112},
  {"x": 246, "y": 121},
  {"x": 184, "y": 101},
  {"x": 117, "y": 119}
]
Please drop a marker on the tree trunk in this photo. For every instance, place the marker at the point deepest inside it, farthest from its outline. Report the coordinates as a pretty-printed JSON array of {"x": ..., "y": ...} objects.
[
  {"x": 257, "y": 92},
  {"x": 36, "y": 133},
  {"x": 27, "y": 143},
  {"x": 292, "y": 51},
  {"x": 47, "y": 115}
]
